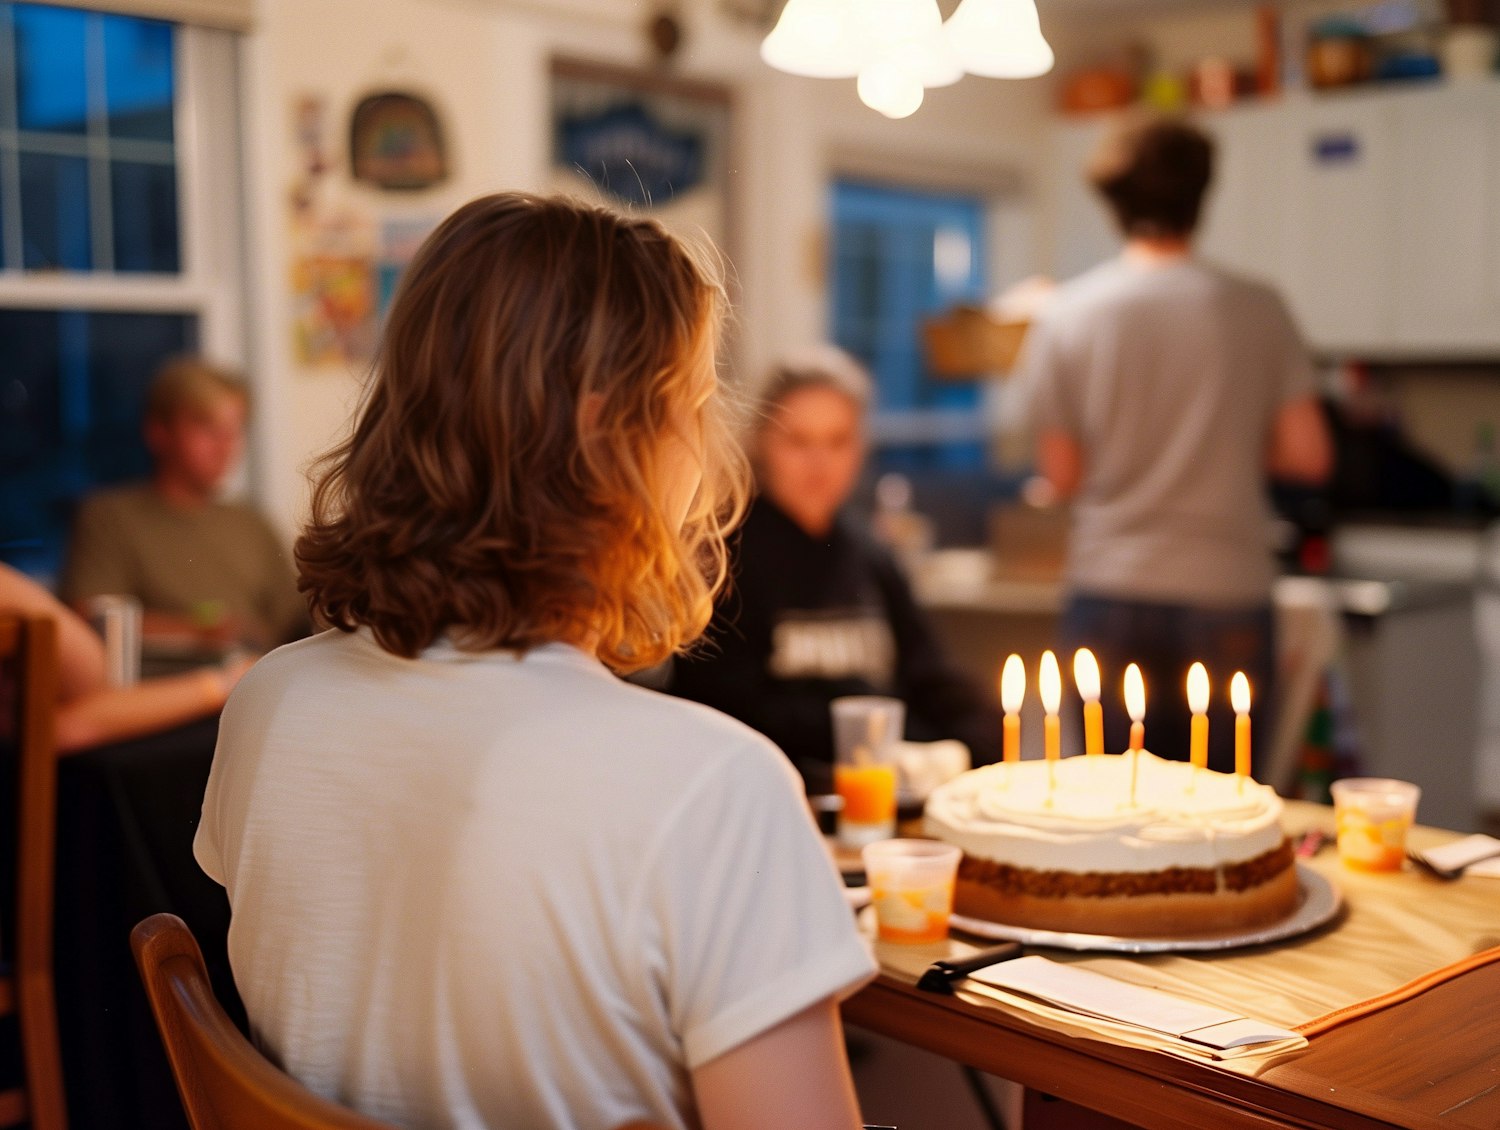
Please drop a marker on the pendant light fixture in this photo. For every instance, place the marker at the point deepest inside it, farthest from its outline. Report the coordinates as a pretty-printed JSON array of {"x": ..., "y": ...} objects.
[
  {"x": 898, "y": 48},
  {"x": 999, "y": 39},
  {"x": 812, "y": 39}
]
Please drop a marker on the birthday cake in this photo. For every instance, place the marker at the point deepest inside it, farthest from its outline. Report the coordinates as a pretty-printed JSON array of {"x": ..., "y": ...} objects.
[{"x": 1066, "y": 847}]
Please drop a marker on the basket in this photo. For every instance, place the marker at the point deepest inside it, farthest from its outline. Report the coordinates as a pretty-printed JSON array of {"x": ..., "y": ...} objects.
[{"x": 966, "y": 343}]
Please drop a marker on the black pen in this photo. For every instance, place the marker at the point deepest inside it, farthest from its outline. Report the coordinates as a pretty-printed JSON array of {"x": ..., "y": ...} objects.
[{"x": 940, "y": 975}]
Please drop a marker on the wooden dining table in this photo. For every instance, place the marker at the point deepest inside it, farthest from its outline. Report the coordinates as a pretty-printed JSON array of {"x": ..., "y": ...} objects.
[{"x": 1430, "y": 1061}]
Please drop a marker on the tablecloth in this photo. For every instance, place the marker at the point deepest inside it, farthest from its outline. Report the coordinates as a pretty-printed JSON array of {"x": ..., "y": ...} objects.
[{"x": 1397, "y": 933}]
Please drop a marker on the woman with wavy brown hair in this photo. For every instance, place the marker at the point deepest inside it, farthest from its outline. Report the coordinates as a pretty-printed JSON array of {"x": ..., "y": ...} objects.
[{"x": 476, "y": 879}]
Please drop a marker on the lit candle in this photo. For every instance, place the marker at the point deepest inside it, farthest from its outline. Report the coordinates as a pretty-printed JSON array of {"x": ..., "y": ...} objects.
[
  {"x": 1049, "y": 683},
  {"x": 1239, "y": 697},
  {"x": 1135, "y": 706},
  {"x": 1012, "y": 693},
  {"x": 1086, "y": 675},
  {"x": 1197, "y": 693}
]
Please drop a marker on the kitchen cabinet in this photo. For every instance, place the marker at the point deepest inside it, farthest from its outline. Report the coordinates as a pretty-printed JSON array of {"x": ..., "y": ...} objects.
[
  {"x": 1447, "y": 193},
  {"x": 1085, "y": 231},
  {"x": 1339, "y": 270},
  {"x": 1375, "y": 212},
  {"x": 1244, "y": 223}
]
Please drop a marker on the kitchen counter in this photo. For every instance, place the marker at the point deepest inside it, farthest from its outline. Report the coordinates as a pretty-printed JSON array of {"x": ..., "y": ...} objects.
[
  {"x": 1406, "y": 645},
  {"x": 962, "y": 580}
]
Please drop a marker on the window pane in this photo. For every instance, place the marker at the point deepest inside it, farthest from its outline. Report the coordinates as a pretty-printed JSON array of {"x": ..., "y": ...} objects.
[
  {"x": 124, "y": 353},
  {"x": 6, "y": 204},
  {"x": 138, "y": 77},
  {"x": 55, "y": 212},
  {"x": 71, "y": 397},
  {"x": 32, "y": 512},
  {"x": 51, "y": 87},
  {"x": 145, "y": 216}
]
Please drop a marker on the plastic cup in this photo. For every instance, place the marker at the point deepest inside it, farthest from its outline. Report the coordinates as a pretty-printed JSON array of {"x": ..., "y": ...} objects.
[
  {"x": 911, "y": 888},
  {"x": 1373, "y": 815},
  {"x": 866, "y": 736},
  {"x": 118, "y": 619}
]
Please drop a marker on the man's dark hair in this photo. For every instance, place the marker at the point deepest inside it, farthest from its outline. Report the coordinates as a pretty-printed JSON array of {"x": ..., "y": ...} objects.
[{"x": 1154, "y": 173}]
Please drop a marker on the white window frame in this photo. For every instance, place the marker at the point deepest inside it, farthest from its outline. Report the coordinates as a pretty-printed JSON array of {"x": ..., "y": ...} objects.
[{"x": 210, "y": 285}]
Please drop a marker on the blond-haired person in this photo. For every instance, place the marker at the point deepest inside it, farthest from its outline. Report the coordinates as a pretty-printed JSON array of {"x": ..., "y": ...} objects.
[
  {"x": 202, "y": 567},
  {"x": 476, "y": 879}
]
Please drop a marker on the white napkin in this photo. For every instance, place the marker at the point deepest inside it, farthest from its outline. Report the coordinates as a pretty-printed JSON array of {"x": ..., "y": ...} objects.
[
  {"x": 926, "y": 765},
  {"x": 1092, "y": 994},
  {"x": 1460, "y": 852}
]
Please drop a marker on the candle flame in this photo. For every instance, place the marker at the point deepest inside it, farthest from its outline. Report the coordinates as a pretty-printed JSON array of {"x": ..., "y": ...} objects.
[
  {"x": 1239, "y": 693},
  {"x": 1135, "y": 694},
  {"x": 1197, "y": 688},
  {"x": 1013, "y": 684},
  {"x": 1049, "y": 682},
  {"x": 1086, "y": 674}
]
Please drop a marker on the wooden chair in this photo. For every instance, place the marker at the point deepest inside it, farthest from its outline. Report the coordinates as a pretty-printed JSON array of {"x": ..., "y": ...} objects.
[
  {"x": 28, "y": 706},
  {"x": 225, "y": 1083}
]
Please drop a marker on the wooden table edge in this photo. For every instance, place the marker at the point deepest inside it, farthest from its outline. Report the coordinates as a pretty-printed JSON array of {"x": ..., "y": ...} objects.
[{"x": 1149, "y": 1088}]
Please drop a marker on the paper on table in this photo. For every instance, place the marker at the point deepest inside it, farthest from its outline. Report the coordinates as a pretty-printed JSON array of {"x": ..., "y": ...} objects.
[
  {"x": 1091, "y": 994},
  {"x": 1462, "y": 852}
]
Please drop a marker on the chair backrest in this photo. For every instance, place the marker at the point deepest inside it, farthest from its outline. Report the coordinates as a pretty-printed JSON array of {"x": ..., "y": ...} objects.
[
  {"x": 225, "y": 1083},
  {"x": 28, "y": 709}
]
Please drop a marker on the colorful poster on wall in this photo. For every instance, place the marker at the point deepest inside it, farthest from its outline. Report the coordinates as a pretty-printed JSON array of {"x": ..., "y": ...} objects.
[
  {"x": 333, "y": 310},
  {"x": 399, "y": 241}
]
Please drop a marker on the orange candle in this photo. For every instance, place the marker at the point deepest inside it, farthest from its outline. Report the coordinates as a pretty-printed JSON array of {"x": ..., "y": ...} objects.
[
  {"x": 1086, "y": 675},
  {"x": 1135, "y": 706},
  {"x": 1049, "y": 682},
  {"x": 1012, "y": 694},
  {"x": 1197, "y": 692},
  {"x": 1239, "y": 697}
]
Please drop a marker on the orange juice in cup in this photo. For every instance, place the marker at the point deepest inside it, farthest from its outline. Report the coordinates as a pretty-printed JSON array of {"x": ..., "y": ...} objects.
[
  {"x": 911, "y": 889},
  {"x": 869, "y": 794},
  {"x": 1373, "y": 815},
  {"x": 866, "y": 730}
]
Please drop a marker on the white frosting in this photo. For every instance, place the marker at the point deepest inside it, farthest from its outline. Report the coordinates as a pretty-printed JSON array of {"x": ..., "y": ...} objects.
[{"x": 1182, "y": 817}]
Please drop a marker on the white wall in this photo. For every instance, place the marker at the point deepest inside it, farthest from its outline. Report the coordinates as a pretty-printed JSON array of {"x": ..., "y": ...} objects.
[{"x": 485, "y": 64}]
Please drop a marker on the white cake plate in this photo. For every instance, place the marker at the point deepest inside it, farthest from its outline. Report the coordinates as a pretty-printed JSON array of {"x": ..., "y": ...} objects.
[{"x": 1319, "y": 902}]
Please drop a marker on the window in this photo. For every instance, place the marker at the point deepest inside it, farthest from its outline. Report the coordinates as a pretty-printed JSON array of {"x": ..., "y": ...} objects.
[
  {"x": 900, "y": 256},
  {"x": 118, "y": 247},
  {"x": 87, "y": 142}
]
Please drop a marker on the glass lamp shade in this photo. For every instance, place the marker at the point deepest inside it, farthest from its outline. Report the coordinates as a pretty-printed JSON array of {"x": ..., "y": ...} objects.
[
  {"x": 815, "y": 39},
  {"x": 933, "y": 60},
  {"x": 999, "y": 39},
  {"x": 883, "y": 24},
  {"x": 890, "y": 89}
]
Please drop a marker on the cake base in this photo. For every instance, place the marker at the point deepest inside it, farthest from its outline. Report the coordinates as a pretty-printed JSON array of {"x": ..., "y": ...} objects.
[{"x": 1170, "y": 915}]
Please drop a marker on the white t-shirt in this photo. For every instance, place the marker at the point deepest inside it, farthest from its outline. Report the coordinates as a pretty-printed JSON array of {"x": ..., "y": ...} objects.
[
  {"x": 481, "y": 890},
  {"x": 1170, "y": 377}
]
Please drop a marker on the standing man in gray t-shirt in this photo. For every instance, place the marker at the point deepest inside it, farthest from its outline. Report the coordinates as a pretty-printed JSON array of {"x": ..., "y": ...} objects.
[{"x": 1165, "y": 392}]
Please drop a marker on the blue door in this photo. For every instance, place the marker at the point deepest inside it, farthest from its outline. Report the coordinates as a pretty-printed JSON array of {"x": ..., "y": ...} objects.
[{"x": 900, "y": 256}]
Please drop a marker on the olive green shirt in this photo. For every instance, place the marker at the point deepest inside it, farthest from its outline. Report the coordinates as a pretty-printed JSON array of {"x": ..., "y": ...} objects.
[{"x": 222, "y": 559}]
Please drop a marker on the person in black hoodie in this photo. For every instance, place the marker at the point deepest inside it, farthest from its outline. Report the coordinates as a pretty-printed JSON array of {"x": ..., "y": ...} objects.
[{"x": 817, "y": 608}]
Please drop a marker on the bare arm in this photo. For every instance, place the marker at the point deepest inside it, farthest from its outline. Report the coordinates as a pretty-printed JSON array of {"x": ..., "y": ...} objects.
[
  {"x": 80, "y": 651},
  {"x": 795, "y": 1074},
  {"x": 116, "y": 714},
  {"x": 1059, "y": 458},
  {"x": 1300, "y": 448}
]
